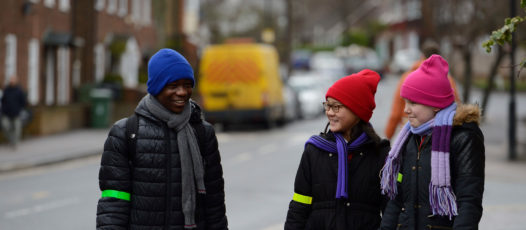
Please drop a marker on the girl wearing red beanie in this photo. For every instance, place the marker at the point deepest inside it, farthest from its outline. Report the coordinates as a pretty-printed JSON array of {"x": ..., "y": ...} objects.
[
  {"x": 434, "y": 174},
  {"x": 337, "y": 183}
]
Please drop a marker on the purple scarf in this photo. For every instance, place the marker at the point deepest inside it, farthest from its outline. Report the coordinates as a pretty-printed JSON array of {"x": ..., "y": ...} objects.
[
  {"x": 342, "y": 148},
  {"x": 441, "y": 195}
]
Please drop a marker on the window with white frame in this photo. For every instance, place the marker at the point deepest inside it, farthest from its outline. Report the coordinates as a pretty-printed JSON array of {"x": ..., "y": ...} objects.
[
  {"x": 129, "y": 64},
  {"x": 398, "y": 42},
  {"x": 146, "y": 12},
  {"x": 112, "y": 7},
  {"x": 414, "y": 10},
  {"x": 63, "y": 80},
  {"x": 123, "y": 8},
  {"x": 50, "y": 77},
  {"x": 75, "y": 73},
  {"x": 99, "y": 62},
  {"x": 32, "y": 70},
  {"x": 49, "y": 3},
  {"x": 413, "y": 40},
  {"x": 136, "y": 11},
  {"x": 99, "y": 5},
  {"x": 10, "y": 57},
  {"x": 64, "y": 5}
]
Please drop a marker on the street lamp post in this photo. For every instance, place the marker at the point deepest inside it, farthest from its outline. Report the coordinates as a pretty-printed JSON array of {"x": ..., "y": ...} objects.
[
  {"x": 268, "y": 34},
  {"x": 512, "y": 118}
]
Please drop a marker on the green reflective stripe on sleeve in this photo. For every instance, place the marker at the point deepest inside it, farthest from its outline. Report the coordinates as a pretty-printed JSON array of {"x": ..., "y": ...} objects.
[
  {"x": 116, "y": 194},
  {"x": 302, "y": 199},
  {"x": 399, "y": 177}
]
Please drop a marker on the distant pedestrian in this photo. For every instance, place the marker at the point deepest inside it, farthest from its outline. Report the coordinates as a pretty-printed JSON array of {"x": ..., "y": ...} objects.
[
  {"x": 337, "y": 184},
  {"x": 13, "y": 102},
  {"x": 397, "y": 117},
  {"x": 170, "y": 176},
  {"x": 434, "y": 174}
]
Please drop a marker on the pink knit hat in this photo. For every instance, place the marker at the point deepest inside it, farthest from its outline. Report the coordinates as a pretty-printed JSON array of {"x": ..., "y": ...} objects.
[{"x": 429, "y": 85}]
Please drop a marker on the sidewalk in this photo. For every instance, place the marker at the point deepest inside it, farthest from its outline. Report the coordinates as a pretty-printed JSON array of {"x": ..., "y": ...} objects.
[{"x": 51, "y": 149}]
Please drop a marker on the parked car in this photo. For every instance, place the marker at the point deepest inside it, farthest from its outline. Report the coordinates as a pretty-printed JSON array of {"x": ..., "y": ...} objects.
[
  {"x": 311, "y": 88},
  {"x": 292, "y": 108},
  {"x": 403, "y": 60},
  {"x": 359, "y": 58},
  {"x": 301, "y": 59},
  {"x": 327, "y": 63}
]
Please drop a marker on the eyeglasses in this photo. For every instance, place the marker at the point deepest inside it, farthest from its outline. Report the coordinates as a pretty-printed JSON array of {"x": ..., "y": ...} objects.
[{"x": 335, "y": 108}]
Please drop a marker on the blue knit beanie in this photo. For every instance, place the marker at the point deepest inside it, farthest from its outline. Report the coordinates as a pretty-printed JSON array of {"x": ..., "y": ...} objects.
[{"x": 167, "y": 66}]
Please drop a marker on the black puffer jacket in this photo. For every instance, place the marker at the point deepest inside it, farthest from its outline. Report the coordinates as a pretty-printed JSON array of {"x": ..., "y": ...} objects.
[
  {"x": 411, "y": 209},
  {"x": 13, "y": 101},
  {"x": 317, "y": 178},
  {"x": 154, "y": 181}
]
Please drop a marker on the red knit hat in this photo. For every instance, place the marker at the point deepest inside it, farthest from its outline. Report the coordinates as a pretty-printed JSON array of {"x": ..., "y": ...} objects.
[
  {"x": 429, "y": 85},
  {"x": 356, "y": 92}
]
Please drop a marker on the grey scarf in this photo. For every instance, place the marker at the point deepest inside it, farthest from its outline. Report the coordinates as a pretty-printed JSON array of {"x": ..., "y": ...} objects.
[{"x": 192, "y": 171}]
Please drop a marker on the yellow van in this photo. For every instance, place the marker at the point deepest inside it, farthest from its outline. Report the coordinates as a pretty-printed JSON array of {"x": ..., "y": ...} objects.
[{"x": 240, "y": 83}]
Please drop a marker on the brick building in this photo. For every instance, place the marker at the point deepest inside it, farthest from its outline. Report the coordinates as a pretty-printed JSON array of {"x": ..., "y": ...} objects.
[{"x": 57, "y": 46}]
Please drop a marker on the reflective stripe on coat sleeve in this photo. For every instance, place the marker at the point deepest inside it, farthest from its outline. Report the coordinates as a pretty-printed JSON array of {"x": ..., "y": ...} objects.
[
  {"x": 302, "y": 199},
  {"x": 116, "y": 194}
]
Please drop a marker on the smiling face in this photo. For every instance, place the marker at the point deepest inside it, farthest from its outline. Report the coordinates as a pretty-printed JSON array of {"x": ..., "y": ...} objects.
[
  {"x": 175, "y": 95},
  {"x": 418, "y": 114},
  {"x": 341, "y": 121}
]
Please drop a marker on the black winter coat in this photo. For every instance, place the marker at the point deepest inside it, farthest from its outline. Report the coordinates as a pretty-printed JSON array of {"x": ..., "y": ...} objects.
[
  {"x": 13, "y": 101},
  {"x": 154, "y": 180},
  {"x": 410, "y": 209},
  {"x": 317, "y": 178}
]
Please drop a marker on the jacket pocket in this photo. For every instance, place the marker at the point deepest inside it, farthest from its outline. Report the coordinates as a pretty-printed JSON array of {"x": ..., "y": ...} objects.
[
  {"x": 321, "y": 219},
  {"x": 438, "y": 222},
  {"x": 403, "y": 220}
]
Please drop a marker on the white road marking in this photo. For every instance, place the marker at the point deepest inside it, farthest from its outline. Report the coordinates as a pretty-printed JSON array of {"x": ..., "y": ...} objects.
[
  {"x": 223, "y": 137},
  {"x": 40, "y": 195},
  {"x": 42, "y": 207},
  {"x": 274, "y": 227},
  {"x": 267, "y": 149},
  {"x": 242, "y": 157},
  {"x": 299, "y": 139},
  {"x": 505, "y": 207}
]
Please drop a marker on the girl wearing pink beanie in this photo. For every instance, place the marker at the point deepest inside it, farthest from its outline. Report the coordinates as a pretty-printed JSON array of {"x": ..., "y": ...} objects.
[
  {"x": 434, "y": 173},
  {"x": 337, "y": 184}
]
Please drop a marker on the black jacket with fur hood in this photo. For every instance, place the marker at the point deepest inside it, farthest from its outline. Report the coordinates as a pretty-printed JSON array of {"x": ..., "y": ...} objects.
[
  {"x": 410, "y": 209},
  {"x": 154, "y": 178}
]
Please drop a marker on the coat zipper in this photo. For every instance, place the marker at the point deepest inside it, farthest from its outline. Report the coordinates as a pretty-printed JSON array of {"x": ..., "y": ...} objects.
[
  {"x": 422, "y": 140},
  {"x": 168, "y": 200},
  {"x": 417, "y": 165}
]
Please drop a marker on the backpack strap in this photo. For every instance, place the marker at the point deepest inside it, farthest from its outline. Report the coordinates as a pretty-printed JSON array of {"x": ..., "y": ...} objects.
[
  {"x": 200, "y": 134},
  {"x": 201, "y": 138},
  {"x": 132, "y": 125}
]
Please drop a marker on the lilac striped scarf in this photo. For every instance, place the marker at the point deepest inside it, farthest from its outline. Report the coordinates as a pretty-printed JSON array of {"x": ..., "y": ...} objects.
[
  {"x": 441, "y": 195},
  {"x": 342, "y": 148}
]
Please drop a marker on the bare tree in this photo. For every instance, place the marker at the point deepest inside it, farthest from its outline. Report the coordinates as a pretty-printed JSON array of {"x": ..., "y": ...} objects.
[
  {"x": 463, "y": 22},
  {"x": 491, "y": 79}
]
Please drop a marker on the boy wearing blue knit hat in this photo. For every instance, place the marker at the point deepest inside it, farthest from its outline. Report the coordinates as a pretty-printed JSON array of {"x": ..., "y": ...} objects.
[{"x": 155, "y": 175}]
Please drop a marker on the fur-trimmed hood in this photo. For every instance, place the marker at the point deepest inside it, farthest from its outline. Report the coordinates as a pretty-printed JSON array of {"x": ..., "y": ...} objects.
[{"x": 467, "y": 113}]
